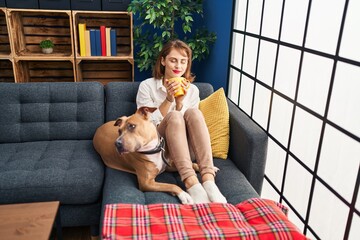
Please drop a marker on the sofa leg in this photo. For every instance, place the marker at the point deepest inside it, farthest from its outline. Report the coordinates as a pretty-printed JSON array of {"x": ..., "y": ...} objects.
[
  {"x": 94, "y": 231},
  {"x": 58, "y": 227}
]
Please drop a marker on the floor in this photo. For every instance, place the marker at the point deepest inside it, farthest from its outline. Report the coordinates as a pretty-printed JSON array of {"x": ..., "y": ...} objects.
[{"x": 74, "y": 233}]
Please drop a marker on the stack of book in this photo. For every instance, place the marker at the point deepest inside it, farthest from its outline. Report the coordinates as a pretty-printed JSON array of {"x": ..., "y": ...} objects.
[{"x": 97, "y": 42}]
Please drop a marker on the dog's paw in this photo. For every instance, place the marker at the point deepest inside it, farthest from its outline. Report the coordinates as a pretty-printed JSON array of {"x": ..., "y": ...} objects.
[
  {"x": 185, "y": 198},
  {"x": 216, "y": 169}
]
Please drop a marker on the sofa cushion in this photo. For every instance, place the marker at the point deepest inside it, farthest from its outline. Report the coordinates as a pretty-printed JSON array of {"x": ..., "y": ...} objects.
[
  {"x": 238, "y": 191},
  {"x": 69, "y": 171},
  {"x": 216, "y": 114},
  {"x": 50, "y": 111}
]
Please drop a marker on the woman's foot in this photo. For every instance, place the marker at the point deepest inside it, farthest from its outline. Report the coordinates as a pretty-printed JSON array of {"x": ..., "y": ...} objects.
[
  {"x": 198, "y": 194},
  {"x": 213, "y": 192}
]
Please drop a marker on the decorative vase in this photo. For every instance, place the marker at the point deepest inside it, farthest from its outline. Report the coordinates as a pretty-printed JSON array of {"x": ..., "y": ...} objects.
[{"x": 47, "y": 50}]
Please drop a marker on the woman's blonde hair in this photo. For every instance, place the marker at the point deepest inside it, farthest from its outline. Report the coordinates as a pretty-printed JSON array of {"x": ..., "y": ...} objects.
[{"x": 159, "y": 69}]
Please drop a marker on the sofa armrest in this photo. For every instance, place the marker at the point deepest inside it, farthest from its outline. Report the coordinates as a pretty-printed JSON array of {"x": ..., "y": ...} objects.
[{"x": 248, "y": 146}]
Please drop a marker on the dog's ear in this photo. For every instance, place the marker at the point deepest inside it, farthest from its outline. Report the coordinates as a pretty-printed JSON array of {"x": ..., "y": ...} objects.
[
  {"x": 120, "y": 121},
  {"x": 145, "y": 111}
]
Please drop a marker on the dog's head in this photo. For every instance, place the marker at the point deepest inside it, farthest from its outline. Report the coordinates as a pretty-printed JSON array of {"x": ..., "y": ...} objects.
[{"x": 135, "y": 131}]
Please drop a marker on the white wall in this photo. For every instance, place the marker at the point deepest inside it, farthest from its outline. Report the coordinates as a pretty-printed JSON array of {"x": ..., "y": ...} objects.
[{"x": 295, "y": 70}]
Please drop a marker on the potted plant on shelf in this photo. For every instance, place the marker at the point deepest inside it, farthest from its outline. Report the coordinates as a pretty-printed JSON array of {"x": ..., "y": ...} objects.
[
  {"x": 47, "y": 46},
  {"x": 163, "y": 20}
]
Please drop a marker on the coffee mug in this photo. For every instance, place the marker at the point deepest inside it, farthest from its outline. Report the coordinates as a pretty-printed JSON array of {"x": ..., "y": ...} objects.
[{"x": 180, "y": 91}]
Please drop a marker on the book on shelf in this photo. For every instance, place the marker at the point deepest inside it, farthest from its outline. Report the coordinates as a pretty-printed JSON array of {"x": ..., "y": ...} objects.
[
  {"x": 87, "y": 43},
  {"x": 97, "y": 42},
  {"x": 113, "y": 42},
  {"x": 108, "y": 41},
  {"x": 103, "y": 40},
  {"x": 93, "y": 42},
  {"x": 82, "y": 27}
]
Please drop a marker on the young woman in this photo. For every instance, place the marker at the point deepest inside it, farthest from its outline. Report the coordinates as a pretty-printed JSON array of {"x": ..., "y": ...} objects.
[{"x": 179, "y": 120}]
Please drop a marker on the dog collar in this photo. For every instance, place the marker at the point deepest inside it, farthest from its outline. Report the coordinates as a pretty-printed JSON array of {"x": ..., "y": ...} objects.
[{"x": 160, "y": 147}]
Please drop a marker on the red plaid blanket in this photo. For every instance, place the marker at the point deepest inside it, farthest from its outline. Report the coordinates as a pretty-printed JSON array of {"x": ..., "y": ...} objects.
[{"x": 252, "y": 219}]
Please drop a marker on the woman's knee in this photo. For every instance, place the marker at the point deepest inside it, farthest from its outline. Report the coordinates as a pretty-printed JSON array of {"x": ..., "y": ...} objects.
[
  {"x": 193, "y": 114},
  {"x": 175, "y": 117},
  {"x": 173, "y": 120}
]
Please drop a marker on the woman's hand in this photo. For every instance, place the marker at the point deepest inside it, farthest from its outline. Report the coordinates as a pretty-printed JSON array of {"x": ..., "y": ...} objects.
[
  {"x": 171, "y": 89},
  {"x": 185, "y": 85}
]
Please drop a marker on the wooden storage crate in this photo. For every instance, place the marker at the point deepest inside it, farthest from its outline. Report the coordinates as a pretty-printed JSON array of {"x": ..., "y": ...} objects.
[
  {"x": 5, "y": 49},
  {"x": 7, "y": 71},
  {"x": 30, "y": 27},
  {"x": 120, "y": 21},
  {"x": 105, "y": 71},
  {"x": 45, "y": 71}
]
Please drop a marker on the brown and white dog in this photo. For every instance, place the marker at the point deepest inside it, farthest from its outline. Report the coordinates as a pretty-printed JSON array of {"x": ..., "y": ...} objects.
[{"x": 132, "y": 144}]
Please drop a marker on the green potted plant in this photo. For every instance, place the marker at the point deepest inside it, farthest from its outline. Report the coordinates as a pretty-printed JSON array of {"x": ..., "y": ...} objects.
[
  {"x": 163, "y": 20},
  {"x": 47, "y": 46}
]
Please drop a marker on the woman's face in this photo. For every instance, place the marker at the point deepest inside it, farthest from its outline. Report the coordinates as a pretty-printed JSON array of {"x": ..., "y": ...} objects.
[{"x": 175, "y": 64}]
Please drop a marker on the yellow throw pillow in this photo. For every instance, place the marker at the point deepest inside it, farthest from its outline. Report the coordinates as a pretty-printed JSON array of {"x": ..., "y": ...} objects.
[{"x": 216, "y": 114}]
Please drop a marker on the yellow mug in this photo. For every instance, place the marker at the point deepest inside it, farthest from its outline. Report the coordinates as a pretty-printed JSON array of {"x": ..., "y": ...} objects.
[{"x": 180, "y": 91}]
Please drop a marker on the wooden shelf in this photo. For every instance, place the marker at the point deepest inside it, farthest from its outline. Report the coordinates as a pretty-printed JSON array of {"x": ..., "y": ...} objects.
[
  {"x": 105, "y": 71},
  {"x": 118, "y": 57},
  {"x": 5, "y": 48},
  {"x": 30, "y": 27},
  {"x": 43, "y": 57},
  {"x": 7, "y": 71},
  {"x": 45, "y": 71},
  {"x": 6, "y": 59},
  {"x": 21, "y": 58},
  {"x": 120, "y": 21}
]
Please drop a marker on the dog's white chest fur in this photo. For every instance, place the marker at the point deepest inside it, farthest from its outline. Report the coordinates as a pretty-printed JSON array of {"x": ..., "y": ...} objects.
[{"x": 155, "y": 157}]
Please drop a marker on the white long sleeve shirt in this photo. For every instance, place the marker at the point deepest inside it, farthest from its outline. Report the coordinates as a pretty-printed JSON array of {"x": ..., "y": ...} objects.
[{"x": 152, "y": 93}]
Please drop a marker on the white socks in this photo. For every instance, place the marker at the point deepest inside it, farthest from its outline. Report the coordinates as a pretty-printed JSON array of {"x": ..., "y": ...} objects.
[
  {"x": 198, "y": 194},
  {"x": 206, "y": 193},
  {"x": 213, "y": 192}
]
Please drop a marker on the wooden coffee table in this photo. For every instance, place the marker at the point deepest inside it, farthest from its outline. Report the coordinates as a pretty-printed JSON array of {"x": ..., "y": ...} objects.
[{"x": 28, "y": 220}]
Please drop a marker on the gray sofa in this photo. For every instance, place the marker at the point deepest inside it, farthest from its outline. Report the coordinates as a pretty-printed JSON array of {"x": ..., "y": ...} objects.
[
  {"x": 46, "y": 150},
  {"x": 240, "y": 177}
]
